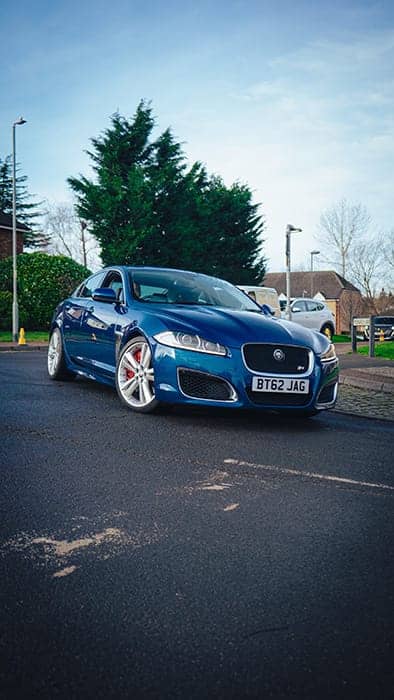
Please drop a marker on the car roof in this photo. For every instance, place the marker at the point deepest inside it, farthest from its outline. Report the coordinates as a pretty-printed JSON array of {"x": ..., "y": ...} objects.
[
  {"x": 256, "y": 288},
  {"x": 147, "y": 268},
  {"x": 306, "y": 299}
]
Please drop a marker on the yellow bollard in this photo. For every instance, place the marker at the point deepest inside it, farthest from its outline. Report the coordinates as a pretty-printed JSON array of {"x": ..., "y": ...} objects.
[
  {"x": 381, "y": 336},
  {"x": 22, "y": 339}
]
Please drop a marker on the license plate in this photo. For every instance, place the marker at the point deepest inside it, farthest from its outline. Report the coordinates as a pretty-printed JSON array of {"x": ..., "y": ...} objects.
[{"x": 279, "y": 385}]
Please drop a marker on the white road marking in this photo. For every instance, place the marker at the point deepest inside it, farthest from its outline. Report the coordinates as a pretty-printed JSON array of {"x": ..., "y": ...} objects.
[
  {"x": 64, "y": 572},
  {"x": 230, "y": 507},
  {"x": 213, "y": 487},
  {"x": 310, "y": 475}
]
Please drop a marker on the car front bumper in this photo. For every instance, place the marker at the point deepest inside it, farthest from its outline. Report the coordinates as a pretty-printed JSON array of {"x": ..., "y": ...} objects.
[{"x": 171, "y": 364}]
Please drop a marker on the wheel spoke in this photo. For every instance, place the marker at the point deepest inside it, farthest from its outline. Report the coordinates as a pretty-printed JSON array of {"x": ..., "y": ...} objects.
[
  {"x": 145, "y": 391},
  {"x": 130, "y": 361},
  {"x": 130, "y": 386},
  {"x": 145, "y": 356}
]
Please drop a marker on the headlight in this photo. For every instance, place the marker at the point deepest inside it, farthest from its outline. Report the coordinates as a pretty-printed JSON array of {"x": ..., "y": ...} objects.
[
  {"x": 187, "y": 341},
  {"x": 329, "y": 355}
]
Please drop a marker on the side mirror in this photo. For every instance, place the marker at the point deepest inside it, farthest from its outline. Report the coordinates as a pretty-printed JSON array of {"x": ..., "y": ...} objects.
[
  {"x": 267, "y": 310},
  {"x": 105, "y": 294}
]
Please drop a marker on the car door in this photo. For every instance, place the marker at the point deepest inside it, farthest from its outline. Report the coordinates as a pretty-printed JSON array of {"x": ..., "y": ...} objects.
[
  {"x": 102, "y": 326},
  {"x": 316, "y": 314},
  {"x": 299, "y": 312},
  {"x": 73, "y": 315}
]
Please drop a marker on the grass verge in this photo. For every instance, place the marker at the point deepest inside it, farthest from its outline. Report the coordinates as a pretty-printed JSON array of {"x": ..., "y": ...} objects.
[
  {"x": 30, "y": 336},
  {"x": 341, "y": 339},
  {"x": 383, "y": 350}
]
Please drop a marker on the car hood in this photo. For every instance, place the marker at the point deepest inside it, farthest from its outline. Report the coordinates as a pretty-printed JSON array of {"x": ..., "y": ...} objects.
[{"x": 234, "y": 328}]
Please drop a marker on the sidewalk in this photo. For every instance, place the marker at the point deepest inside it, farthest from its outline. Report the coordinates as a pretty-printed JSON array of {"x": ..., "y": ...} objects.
[
  {"x": 32, "y": 345},
  {"x": 366, "y": 383}
]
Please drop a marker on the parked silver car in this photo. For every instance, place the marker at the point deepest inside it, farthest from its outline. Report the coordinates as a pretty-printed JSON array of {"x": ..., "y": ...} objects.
[{"x": 311, "y": 313}]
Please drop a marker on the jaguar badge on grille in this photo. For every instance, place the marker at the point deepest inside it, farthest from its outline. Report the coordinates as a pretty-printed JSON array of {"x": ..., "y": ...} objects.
[{"x": 278, "y": 355}]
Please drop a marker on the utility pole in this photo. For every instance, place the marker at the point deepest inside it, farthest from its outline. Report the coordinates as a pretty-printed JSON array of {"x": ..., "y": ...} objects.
[
  {"x": 15, "y": 310},
  {"x": 313, "y": 252},
  {"x": 289, "y": 230}
]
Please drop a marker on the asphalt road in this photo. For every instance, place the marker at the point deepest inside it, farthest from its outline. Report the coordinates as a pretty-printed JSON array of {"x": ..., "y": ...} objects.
[{"x": 189, "y": 554}]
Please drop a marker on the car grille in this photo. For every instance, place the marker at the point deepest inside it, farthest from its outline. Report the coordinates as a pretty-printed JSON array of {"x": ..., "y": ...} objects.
[
  {"x": 259, "y": 357},
  {"x": 275, "y": 399},
  {"x": 199, "y": 385}
]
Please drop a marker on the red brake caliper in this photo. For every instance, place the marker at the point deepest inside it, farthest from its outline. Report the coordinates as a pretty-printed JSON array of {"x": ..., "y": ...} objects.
[{"x": 130, "y": 372}]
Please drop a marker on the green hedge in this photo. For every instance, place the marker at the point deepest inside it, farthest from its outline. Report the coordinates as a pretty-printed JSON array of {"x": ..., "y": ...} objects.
[
  {"x": 6, "y": 312},
  {"x": 43, "y": 281}
]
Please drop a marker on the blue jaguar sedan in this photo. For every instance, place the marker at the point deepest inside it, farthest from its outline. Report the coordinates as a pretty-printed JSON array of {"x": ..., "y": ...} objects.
[{"x": 165, "y": 336}]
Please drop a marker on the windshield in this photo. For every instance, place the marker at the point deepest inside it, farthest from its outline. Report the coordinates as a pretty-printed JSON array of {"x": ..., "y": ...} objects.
[
  {"x": 177, "y": 287},
  {"x": 385, "y": 320}
]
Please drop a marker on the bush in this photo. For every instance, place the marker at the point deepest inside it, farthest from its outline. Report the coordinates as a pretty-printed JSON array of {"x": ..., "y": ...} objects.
[
  {"x": 5, "y": 311},
  {"x": 43, "y": 281}
]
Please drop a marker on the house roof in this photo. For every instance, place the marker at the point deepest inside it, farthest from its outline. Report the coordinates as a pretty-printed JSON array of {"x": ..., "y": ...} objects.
[
  {"x": 6, "y": 222},
  {"x": 329, "y": 283}
]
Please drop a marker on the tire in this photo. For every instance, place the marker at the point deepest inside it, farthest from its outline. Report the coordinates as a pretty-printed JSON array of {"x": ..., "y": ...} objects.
[
  {"x": 57, "y": 368},
  {"x": 135, "y": 382},
  {"x": 327, "y": 330}
]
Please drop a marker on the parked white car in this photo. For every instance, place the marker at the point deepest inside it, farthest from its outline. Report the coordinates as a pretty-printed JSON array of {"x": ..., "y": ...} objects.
[{"x": 312, "y": 314}]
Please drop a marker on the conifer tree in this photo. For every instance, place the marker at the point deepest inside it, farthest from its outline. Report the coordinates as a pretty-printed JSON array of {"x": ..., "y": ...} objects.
[
  {"x": 146, "y": 207},
  {"x": 27, "y": 211}
]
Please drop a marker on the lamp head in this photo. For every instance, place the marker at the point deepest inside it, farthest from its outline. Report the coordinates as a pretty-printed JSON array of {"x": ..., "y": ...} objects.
[
  {"x": 20, "y": 121},
  {"x": 315, "y": 252},
  {"x": 293, "y": 229}
]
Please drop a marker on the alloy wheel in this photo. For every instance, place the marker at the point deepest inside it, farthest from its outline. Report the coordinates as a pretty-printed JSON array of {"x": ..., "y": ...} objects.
[{"x": 135, "y": 375}]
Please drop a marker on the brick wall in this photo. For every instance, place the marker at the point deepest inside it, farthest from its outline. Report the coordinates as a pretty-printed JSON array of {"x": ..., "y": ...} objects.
[{"x": 6, "y": 243}]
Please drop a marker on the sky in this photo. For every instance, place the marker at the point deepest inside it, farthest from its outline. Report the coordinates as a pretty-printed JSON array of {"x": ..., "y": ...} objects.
[{"x": 294, "y": 99}]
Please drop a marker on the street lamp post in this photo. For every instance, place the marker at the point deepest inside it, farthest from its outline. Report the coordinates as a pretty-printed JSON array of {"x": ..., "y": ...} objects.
[
  {"x": 313, "y": 252},
  {"x": 15, "y": 311},
  {"x": 289, "y": 230}
]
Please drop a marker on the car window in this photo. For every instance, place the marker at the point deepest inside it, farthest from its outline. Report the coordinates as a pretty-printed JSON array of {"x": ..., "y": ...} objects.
[
  {"x": 385, "y": 320},
  {"x": 177, "y": 287},
  {"x": 114, "y": 281},
  {"x": 312, "y": 306},
  {"x": 320, "y": 307},
  {"x": 91, "y": 284},
  {"x": 298, "y": 305}
]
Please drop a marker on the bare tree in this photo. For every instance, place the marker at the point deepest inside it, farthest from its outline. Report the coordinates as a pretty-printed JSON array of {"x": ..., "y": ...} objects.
[
  {"x": 69, "y": 235},
  {"x": 340, "y": 228},
  {"x": 366, "y": 268},
  {"x": 388, "y": 258}
]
